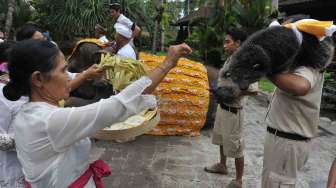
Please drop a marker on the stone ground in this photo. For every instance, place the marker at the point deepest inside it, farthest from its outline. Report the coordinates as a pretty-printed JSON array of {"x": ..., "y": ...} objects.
[{"x": 178, "y": 162}]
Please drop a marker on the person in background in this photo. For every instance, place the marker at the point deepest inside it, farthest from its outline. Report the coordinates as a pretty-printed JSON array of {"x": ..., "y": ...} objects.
[
  {"x": 30, "y": 31},
  {"x": 4, "y": 51},
  {"x": 10, "y": 168},
  {"x": 122, "y": 38},
  {"x": 115, "y": 11},
  {"x": 228, "y": 128},
  {"x": 52, "y": 143},
  {"x": 100, "y": 33},
  {"x": 2, "y": 37}
]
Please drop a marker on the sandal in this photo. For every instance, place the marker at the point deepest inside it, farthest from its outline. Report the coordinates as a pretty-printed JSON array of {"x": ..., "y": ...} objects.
[{"x": 217, "y": 168}]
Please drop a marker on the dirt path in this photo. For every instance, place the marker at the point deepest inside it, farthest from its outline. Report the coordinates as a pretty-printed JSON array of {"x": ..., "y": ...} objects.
[{"x": 179, "y": 161}]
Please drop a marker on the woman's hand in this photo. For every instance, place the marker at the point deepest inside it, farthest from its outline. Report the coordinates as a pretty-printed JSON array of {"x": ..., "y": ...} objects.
[
  {"x": 175, "y": 52},
  {"x": 173, "y": 55},
  {"x": 93, "y": 72}
]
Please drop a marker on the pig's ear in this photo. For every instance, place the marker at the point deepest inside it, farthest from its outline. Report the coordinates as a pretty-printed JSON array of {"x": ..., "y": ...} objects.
[{"x": 260, "y": 56}]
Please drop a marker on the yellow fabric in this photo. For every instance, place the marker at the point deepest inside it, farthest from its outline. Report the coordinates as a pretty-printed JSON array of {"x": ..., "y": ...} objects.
[
  {"x": 314, "y": 27},
  {"x": 183, "y": 97},
  {"x": 61, "y": 103},
  {"x": 87, "y": 40}
]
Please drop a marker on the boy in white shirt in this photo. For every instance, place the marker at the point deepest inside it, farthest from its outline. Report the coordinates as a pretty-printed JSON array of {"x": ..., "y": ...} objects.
[{"x": 116, "y": 14}]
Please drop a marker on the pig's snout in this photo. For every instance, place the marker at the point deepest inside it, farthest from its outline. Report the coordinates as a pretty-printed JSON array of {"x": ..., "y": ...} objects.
[{"x": 225, "y": 94}]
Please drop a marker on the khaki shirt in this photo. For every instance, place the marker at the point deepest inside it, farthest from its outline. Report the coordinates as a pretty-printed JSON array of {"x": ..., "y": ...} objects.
[
  {"x": 298, "y": 114},
  {"x": 240, "y": 101}
]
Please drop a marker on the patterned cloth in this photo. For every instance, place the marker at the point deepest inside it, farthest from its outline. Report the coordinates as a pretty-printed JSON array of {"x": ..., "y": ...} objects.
[
  {"x": 6, "y": 142},
  {"x": 4, "y": 67}
]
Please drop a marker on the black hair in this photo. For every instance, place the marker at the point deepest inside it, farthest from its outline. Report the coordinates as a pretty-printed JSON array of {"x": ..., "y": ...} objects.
[
  {"x": 115, "y": 6},
  {"x": 5, "y": 48},
  {"x": 26, "y": 32},
  {"x": 25, "y": 58},
  {"x": 237, "y": 34}
]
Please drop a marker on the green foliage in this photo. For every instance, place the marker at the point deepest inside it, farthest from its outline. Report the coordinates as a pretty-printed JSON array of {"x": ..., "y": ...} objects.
[
  {"x": 69, "y": 18},
  {"x": 141, "y": 12},
  {"x": 208, "y": 34},
  {"x": 330, "y": 76},
  {"x": 73, "y": 19},
  {"x": 165, "y": 17},
  {"x": 22, "y": 14},
  {"x": 252, "y": 14}
]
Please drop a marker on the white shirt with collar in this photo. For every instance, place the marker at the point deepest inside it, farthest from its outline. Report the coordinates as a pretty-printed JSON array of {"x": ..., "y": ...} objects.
[{"x": 127, "y": 51}]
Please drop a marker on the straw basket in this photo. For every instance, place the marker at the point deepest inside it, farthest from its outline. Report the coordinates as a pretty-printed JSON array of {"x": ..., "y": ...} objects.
[{"x": 130, "y": 128}]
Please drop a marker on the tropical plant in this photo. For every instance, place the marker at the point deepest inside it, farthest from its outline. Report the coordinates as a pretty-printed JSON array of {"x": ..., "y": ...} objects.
[
  {"x": 252, "y": 14},
  {"x": 9, "y": 17},
  {"x": 68, "y": 19},
  {"x": 208, "y": 34},
  {"x": 23, "y": 13},
  {"x": 71, "y": 19},
  {"x": 13, "y": 14}
]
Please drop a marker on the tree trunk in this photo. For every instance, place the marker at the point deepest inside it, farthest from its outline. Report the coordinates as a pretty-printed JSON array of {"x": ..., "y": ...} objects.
[
  {"x": 9, "y": 17},
  {"x": 221, "y": 3},
  {"x": 162, "y": 39},
  {"x": 157, "y": 27},
  {"x": 275, "y": 4},
  {"x": 162, "y": 29},
  {"x": 156, "y": 30}
]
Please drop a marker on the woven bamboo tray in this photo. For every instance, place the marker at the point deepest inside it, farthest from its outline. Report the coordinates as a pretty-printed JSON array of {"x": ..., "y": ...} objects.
[{"x": 123, "y": 132}]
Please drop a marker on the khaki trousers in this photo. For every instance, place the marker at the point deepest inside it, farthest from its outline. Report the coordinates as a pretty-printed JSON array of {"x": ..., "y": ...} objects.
[
  {"x": 283, "y": 158},
  {"x": 228, "y": 132}
]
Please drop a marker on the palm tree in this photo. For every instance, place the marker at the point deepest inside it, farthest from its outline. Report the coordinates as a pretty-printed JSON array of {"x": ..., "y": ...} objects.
[{"x": 9, "y": 17}]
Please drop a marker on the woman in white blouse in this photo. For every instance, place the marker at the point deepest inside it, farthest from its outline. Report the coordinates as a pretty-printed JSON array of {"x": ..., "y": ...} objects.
[
  {"x": 10, "y": 169},
  {"x": 52, "y": 143},
  {"x": 11, "y": 175}
]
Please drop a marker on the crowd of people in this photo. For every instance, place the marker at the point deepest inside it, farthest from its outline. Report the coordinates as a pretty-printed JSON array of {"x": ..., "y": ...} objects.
[{"x": 44, "y": 145}]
